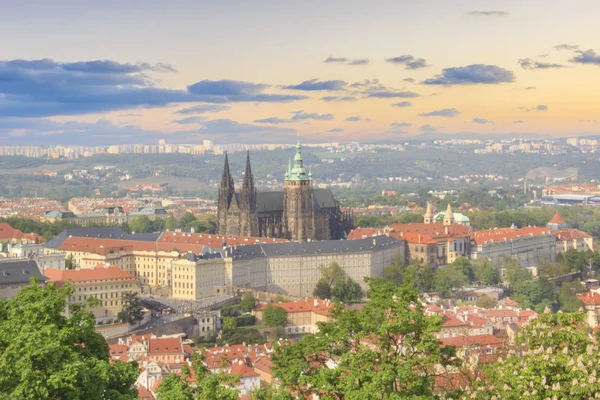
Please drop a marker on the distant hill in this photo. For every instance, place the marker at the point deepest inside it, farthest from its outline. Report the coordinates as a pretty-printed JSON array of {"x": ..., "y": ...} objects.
[{"x": 541, "y": 173}]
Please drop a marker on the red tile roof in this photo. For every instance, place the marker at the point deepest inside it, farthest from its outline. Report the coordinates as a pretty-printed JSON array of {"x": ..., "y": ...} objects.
[
  {"x": 557, "y": 220},
  {"x": 570, "y": 234},
  {"x": 243, "y": 370},
  {"x": 315, "y": 305},
  {"x": 100, "y": 272},
  {"x": 158, "y": 346},
  {"x": 116, "y": 350},
  {"x": 590, "y": 298},
  {"x": 452, "y": 321},
  {"x": 476, "y": 340},
  {"x": 506, "y": 234}
]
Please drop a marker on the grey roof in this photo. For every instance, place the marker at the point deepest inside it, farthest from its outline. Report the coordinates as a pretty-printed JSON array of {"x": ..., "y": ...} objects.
[
  {"x": 273, "y": 201},
  {"x": 104, "y": 232},
  {"x": 316, "y": 247},
  {"x": 20, "y": 271},
  {"x": 269, "y": 201}
]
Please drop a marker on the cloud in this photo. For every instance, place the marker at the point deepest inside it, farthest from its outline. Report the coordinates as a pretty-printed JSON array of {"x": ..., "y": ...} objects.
[
  {"x": 409, "y": 61},
  {"x": 354, "y": 118},
  {"x": 566, "y": 47},
  {"x": 315, "y": 84},
  {"x": 409, "y": 80},
  {"x": 296, "y": 117},
  {"x": 530, "y": 88},
  {"x": 190, "y": 120},
  {"x": 427, "y": 129},
  {"x": 360, "y": 61},
  {"x": 347, "y": 61},
  {"x": 402, "y": 104},
  {"x": 400, "y": 124},
  {"x": 338, "y": 98},
  {"x": 586, "y": 57},
  {"x": 40, "y": 88},
  {"x": 446, "y": 112},
  {"x": 386, "y": 94},
  {"x": 488, "y": 13},
  {"x": 519, "y": 121},
  {"x": 541, "y": 107},
  {"x": 482, "y": 121},
  {"x": 586, "y": 120},
  {"x": 203, "y": 109},
  {"x": 543, "y": 55},
  {"x": 335, "y": 130},
  {"x": 472, "y": 74},
  {"x": 528, "y": 63}
]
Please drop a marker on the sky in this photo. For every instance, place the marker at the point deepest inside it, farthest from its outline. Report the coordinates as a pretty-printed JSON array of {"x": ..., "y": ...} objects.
[{"x": 271, "y": 71}]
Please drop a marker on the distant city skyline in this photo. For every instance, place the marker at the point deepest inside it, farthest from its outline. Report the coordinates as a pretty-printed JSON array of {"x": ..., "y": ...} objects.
[{"x": 109, "y": 73}]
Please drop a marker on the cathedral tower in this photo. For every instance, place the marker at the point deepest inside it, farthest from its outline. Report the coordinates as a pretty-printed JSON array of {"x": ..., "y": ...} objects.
[
  {"x": 298, "y": 203},
  {"x": 249, "y": 217},
  {"x": 226, "y": 193},
  {"x": 428, "y": 217},
  {"x": 449, "y": 216}
]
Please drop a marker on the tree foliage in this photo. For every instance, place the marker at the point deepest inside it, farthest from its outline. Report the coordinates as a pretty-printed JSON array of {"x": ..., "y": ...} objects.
[
  {"x": 387, "y": 350},
  {"x": 45, "y": 354},
  {"x": 334, "y": 283},
  {"x": 248, "y": 303},
  {"x": 205, "y": 386},
  {"x": 555, "y": 358},
  {"x": 132, "y": 309},
  {"x": 274, "y": 316}
]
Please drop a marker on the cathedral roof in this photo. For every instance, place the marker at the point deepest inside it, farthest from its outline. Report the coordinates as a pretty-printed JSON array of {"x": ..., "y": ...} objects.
[
  {"x": 297, "y": 172},
  {"x": 273, "y": 201}
]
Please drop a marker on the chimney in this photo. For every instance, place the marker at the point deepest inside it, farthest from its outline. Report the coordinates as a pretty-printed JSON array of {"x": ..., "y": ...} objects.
[
  {"x": 374, "y": 242},
  {"x": 446, "y": 229},
  {"x": 419, "y": 238}
]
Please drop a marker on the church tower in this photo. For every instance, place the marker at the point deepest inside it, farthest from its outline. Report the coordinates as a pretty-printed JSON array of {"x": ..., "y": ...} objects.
[
  {"x": 449, "y": 216},
  {"x": 226, "y": 193},
  {"x": 298, "y": 201},
  {"x": 428, "y": 217},
  {"x": 249, "y": 217}
]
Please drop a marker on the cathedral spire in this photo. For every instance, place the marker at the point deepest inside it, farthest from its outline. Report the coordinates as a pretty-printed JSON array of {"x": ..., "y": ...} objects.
[
  {"x": 248, "y": 179},
  {"x": 226, "y": 179},
  {"x": 298, "y": 172},
  {"x": 248, "y": 195},
  {"x": 449, "y": 216},
  {"x": 427, "y": 218}
]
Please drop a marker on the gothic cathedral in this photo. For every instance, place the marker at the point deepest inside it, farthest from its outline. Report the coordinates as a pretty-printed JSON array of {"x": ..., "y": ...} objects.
[{"x": 299, "y": 213}]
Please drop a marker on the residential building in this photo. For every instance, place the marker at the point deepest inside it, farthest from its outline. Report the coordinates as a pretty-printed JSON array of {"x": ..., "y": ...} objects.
[
  {"x": 104, "y": 282},
  {"x": 110, "y": 215},
  {"x": 567, "y": 238},
  {"x": 591, "y": 303},
  {"x": 530, "y": 246},
  {"x": 302, "y": 316},
  {"x": 15, "y": 275},
  {"x": 8, "y": 234},
  {"x": 198, "y": 277},
  {"x": 36, "y": 252}
]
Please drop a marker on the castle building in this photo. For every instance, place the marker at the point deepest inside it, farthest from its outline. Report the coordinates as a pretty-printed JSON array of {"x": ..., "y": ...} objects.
[{"x": 298, "y": 213}]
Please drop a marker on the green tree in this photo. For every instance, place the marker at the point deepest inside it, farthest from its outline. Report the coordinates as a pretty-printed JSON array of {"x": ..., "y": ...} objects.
[
  {"x": 485, "y": 273},
  {"x": 555, "y": 357},
  {"x": 322, "y": 289},
  {"x": 274, "y": 316},
  {"x": 70, "y": 262},
  {"x": 387, "y": 350},
  {"x": 48, "y": 354},
  {"x": 485, "y": 302},
  {"x": 447, "y": 279},
  {"x": 205, "y": 386},
  {"x": 170, "y": 223},
  {"x": 395, "y": 272},
  {"x": 186, "y": 220},
  {"x": 229, "y": 324},
  {"x": 248, "y": 303},
  {"x": 420, "y": 275},
  {"x": 141, "y": 225},
  {"x": 335, "y": 283},
  {"x": 132, "y": 311},
  {"x": 567, "y": 296}
]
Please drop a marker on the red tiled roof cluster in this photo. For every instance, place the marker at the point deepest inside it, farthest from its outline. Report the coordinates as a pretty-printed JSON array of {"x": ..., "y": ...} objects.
[
  {"x": 570, "y": 234},
  {"x": 507, "y": 234},
  {"x": 475, "y": 340},
  {"x": 591, "y": 298},
  {"x": 99, "y": 273},
  {"x": 321, "y": 307}
]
